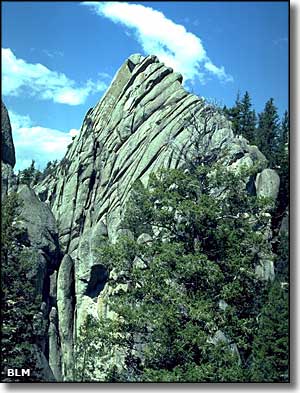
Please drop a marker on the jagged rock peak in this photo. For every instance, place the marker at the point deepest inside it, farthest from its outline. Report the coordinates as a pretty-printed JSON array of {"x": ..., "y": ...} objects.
[{"x": 143, "y": 121}]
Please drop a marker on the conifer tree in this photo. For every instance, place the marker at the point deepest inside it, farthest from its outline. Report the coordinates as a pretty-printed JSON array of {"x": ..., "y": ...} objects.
[
  {"x": 285, "y": 127},
  {"x": 30, "y": 175},
  {"x": 267, "y": 134},
  {"x": 283, "y": 164},
  {"x": 234, "y": 115},
  {"x": 247, "y": 118},
  {"x": 243, "y": 117}
]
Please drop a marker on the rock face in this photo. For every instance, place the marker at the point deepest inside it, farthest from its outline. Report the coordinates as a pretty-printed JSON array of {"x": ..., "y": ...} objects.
[
  {"x": 54, "y": 345},
  {"x": 8, "y": 158},
  {"x": 65, "y": 307},
  {"x": 146, "y": 120},
  {"x": 40, "y": 238},
  {"x": 40, "y": 235},
  {"x": 8, "y": 149}
]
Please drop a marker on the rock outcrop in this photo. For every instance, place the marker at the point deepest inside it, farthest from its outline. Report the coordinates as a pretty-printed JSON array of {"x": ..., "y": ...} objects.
[
  {"x": 146, "y": 120},
  {"x": 38, "y": 238},
  {"x": 8, "y": 149},
  {"x": 8, "y": 158},
  {"x": 40, "y": 234}
]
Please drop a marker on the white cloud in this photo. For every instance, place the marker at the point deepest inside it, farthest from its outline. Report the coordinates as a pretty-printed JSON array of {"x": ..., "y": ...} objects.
[
  {"x": 20, "y": 77},
  {"x": 34, "y": 142},
  {"x": 218, "y": 71},
  {"x": 158, "y": 35}
]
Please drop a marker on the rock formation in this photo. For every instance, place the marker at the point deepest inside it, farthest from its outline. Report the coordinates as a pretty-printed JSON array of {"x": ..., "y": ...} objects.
[
  {"x": 8, "y": 158},
  {"x": 146, "y": 120},
  {"x": 39, "y": 237},
  {"x": 65, "y": 307}
]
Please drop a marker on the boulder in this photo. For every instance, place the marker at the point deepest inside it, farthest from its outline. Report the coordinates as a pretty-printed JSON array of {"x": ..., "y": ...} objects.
[
  {"x": 220, "y": 337},
  {"x": 144, "y": 238},
  {"x": 267, "y": 184},
  {"x": 265, "y": 269}
]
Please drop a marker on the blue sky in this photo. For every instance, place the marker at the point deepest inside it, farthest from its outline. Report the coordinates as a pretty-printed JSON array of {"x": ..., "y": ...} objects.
[{"x": 58, "y": 58}]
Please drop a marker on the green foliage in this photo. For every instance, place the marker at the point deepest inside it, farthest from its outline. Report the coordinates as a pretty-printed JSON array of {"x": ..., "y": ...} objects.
[
  {"x": 185, "y": 274},
  {"x": 8, "y": 214},
  {"x": 140, "y": 220},
  {"x": 270, "y": 136},
  {"x": 243, "y": 117},
  {"x": 166, "y": 291},
  {"x": 19, "y": 302},
  {"x": 282, "y": 161},
  {"x": 30, "y": 176},
  {"x": 86, "y": 349},
  {"x": 267, "y": 133},
  {"x": 49, "y": 169},
  {"x": 96, "y": 339},
  {"x": 271, "y": 346},
  {"x": 248, "y": 118},
  {"x": 234, "y": 115},
  {"x": 282, "y": 257}
]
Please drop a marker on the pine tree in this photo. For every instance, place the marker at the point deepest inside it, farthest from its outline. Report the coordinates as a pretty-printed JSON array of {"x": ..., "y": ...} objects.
[
  {"x": 247, "y": 118},
  {"x": 48, "y": 169},
  {"x": 243, "y": 117},
  {"x": 267, "y": 133},
  {"x": 285, "y": 128},
  {"x": 234, "y": 115}
]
